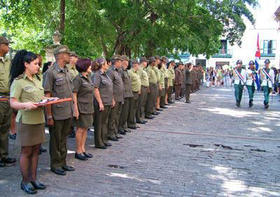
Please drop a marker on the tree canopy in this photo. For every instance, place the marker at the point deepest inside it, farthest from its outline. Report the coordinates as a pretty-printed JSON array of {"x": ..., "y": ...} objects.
[{"x": 133, "y": 27}]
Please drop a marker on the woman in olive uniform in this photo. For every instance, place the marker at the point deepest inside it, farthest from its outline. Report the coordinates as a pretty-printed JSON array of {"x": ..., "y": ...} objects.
[
  {"x": 171, "y": 77},
  {"x": 26, "y": 89},
  {"x": 136, "y": 89},
  {"x": 103, "y": 93},
  {"x": 83, "y": 106}
]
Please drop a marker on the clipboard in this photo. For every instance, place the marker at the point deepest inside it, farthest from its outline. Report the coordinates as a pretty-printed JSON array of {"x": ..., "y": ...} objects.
[{"x": 52, "y": 101}]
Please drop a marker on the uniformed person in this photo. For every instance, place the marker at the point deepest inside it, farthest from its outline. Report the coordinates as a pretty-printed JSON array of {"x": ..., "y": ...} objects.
[
  {"x": 83, "y": 106},
  {"x": 171, "y": 78},
  {"x": 73, "y": 73},
  {"x": 251, "y": 81},
  {"x": 26, "y": 90},
  {"x": 163, "y": 99},
  {"x": 59, "y": 116},
  {"x": 5, "y": 110},
  {"x": 115, "y": 74},
  {"x": 136, "y": 90},
  {"x": 161, "y": 92},
  {"x": 152, "y": 92},
  {"x": 128, "y": 96},
  {"x": 239, "y": 81},
  {"x": 159, "y": 86},
  {"x": 72, "y": 65},
  {"x": 140, "y": 113},
  {"x": 178, "y": 80},
  {"x": 103, "y": 101},
  {"x": 188, "y": 81},
  {"x": 267, "y": 78},
  {"x": 183, "y": 86}
]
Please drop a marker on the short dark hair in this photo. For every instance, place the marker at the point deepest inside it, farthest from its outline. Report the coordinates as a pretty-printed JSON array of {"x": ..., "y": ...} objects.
[
  {"x": 83, "y": 64},
  {"x": 17, "y": 65}
]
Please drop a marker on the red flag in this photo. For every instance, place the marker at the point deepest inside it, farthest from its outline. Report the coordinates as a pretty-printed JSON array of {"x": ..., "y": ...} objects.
[{"x": 258, "y": 52}]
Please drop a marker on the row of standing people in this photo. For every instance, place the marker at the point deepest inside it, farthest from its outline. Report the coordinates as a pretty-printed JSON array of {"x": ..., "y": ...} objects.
[{"x": 114, "y": 98}]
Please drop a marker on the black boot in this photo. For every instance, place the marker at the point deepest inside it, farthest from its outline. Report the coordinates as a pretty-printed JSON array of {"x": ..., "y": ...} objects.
[{"x": 251, "y": 103}]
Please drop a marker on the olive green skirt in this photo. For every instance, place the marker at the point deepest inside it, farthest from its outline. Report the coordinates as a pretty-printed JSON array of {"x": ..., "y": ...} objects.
[
  {"x": 30, "y": 135},
  {"x": 84, "y": 121}
]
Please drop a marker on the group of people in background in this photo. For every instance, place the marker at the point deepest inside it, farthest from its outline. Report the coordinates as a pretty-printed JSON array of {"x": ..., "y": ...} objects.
[{"x": 114, "y": 95}]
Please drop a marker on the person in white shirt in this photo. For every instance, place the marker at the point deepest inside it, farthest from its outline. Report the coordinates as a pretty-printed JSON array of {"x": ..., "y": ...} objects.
[
  {"x": 251, "y": 81},
  {"x": 267, "y": 79},
  {"x": 239, "y": 81}
]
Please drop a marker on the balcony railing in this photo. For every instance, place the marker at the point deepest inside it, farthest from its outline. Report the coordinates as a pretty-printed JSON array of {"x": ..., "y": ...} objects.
[{"x": 223, "y": 53}]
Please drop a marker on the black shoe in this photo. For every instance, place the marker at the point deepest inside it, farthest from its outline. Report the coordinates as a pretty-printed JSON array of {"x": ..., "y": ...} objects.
[
  {"x": 132, "y": 127},
  {"x": 250, "y": 103},
  {"x": 170, "y": 102},
  {"x": 13, "y": 136},
  {"x": 28, "y": 188},
  {"x": 113, "y": 139},
  {"x": 164, "y": 107},
  {"x": 38, "y": 185},
  {"x": 2, "y": 164},
  {"x": 122, "y": 132},
  {"x": 155, "y": 113},
  {"x": 107, "y": 144},
  {"x": 158, "y": 109},
  {"x": 141, "y": 122},
  {"x": 88, "y": 155},
  {"x": 68, "y": 168},
  {"x": 119, "y": 137},
  {"x": 237, "y": 104},
  {"x": 58, "y": 171},
  {"x": 127, "y": 130},
  {"x": 188, "y": 102},
  {"x": 9, "y": 160},
  {"x": 101, "y": 147},
  {"x": 80, "y": 156},
  {"x": 266, "y": 106},
  {"x": 149, "y": 117}
]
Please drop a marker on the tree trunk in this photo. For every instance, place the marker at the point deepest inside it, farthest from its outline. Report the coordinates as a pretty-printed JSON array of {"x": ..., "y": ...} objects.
[{"x": 62, "y": 17}]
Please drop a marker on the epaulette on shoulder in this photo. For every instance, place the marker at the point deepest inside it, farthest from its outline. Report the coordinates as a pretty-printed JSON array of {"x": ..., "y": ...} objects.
[{"x": 19, "y": 77}]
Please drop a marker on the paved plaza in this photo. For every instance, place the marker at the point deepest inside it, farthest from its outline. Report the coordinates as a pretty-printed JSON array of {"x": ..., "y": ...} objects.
[{"x": 206, "y": 148}]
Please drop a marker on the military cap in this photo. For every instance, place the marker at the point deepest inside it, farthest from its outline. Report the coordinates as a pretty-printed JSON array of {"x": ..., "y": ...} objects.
[
  {"x": 152, "y": 59},
  {"x": 72, "y": 53},
  {"x": 267, "y": 61},
  {"x": 143, "y": 59},
  {"x": 157, "y": 57},
  {"x": 251, "y": 62},
  {"x": 124, "y": 58},
  {"x": 163, "y": 58},
  {"x": 117, "y": 57},
  {"x": 180, "y": 63},
  {"x": 239, "y": 62},
  {"x": 61, "y": 49},
  {"x": 172, "y": 61},
  {"x": 4, "y": 40},
  {"x": 134, "y": 62}
]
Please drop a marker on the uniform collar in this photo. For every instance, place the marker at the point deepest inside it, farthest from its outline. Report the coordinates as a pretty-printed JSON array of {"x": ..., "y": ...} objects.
[
  {"x": 82, "y": 76},
  {"x": 59, "y": 69}
]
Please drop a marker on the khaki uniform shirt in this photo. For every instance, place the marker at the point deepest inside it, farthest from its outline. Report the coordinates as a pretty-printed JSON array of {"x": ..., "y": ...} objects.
[
  {"x": 25, "y": 90},
  {"x": 171, "y": 76},
  {"x": 83, "y": 86},
  {"x": 143, "y": 76},
  {"x": 127, "y": 84},
  {"x": 118, "y": 88},
  {"x": 5, "y": 66},
  {"x": 135, "y": 80},
  {"x": 152, "y": 74},
  {"x": 105, "y": 85},
  {"x": 58, "y": 83},
  {"x": 162, "y": 75},
  {"x": 73, "y": 71}
]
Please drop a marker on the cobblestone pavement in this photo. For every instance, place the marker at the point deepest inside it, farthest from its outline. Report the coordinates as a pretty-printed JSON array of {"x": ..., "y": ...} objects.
[{"x": 206, "y": 148}]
